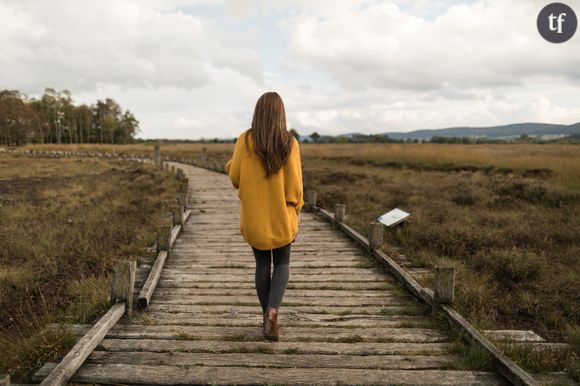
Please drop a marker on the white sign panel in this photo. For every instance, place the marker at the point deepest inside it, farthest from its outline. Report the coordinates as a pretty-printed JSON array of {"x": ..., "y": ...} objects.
[{"x": 393, "y": 217}]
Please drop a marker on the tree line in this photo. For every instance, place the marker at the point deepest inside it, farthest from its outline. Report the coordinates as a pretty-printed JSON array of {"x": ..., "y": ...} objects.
[{"x": 55, "y": 118}]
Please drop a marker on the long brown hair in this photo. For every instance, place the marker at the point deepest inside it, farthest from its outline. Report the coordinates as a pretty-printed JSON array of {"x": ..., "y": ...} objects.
[{"x": 272, "y": 141}]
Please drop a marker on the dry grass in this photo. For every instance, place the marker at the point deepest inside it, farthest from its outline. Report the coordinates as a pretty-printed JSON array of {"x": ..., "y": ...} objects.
[
  {"x": 563, "y": 160},
  {"x": 63, "y": 223},
  {"x": 506, "y": 216}
]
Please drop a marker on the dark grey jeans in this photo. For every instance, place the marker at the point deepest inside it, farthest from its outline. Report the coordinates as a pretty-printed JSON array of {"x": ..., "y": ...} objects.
[{"x": 271, "y": 289}]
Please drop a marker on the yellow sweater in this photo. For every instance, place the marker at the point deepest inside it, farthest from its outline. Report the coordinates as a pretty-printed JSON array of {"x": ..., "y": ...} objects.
[{"x": 269, "y": 206}]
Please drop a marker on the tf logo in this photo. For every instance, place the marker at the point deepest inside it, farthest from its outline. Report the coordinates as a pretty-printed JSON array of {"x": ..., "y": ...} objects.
[{"x": 557, "y": 22}]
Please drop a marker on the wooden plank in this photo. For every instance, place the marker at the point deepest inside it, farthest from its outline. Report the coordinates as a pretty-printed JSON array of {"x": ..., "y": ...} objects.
[
  {"x": 290, "y": 292},
  {"x": 255, "y": 308},
  {"x": 513, "y": 335},
  {"x": 62, "y": 372},
  {"x": 251, "y": 320},
  {"x": 294, "y": 278},
  {"x": 152, "y": 280},
  {"x": 181, "y": 375},
  {"x": 266, "y": 360},
  {"x": 235, "y": 258},
  {"x": 247, "y": 265},
  {"x": 288, "y": 333},
  {"x": 508, "y": 368},
  {"x": 224, "y": 346},
  {"x": 246, "y": 249},
  {"x": 559, "y": 378},
  {"x": 174, "y": 233},
  {"x": 343, "y": 287},
  {"x": 287, "y": 302},
  {"x": 355, "y": 272},
  {"x": 208, "y": 244}
]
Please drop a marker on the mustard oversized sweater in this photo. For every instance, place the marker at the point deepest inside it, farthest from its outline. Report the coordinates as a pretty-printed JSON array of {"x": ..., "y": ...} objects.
[{"x": 269, "y": 206}]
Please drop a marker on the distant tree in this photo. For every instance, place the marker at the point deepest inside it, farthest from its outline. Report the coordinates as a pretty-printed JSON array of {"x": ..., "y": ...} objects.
[
  {"x": 315, "y": 137},
  {"x": 295, "y": 134},
  {"x": 128, "y": 128},
  {"x": 54, "y": 118}
]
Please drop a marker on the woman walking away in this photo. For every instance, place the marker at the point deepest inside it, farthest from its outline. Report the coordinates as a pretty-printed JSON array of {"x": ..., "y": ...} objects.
[{"x": 266, "y": 169}]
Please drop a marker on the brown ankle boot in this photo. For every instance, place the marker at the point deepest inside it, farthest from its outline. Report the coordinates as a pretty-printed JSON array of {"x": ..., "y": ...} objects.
[{"x": 271, "y": 326}]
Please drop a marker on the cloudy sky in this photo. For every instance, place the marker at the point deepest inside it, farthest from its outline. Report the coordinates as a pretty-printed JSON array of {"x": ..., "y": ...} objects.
[{"x": 195, "y": 68}]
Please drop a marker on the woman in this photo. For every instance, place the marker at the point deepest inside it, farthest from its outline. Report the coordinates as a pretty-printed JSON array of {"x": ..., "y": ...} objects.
[{"x": 266, "y": 169}]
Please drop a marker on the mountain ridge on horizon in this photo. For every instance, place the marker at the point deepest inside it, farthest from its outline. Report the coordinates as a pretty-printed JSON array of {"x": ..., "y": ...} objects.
[{"x": 511, "y": 130}]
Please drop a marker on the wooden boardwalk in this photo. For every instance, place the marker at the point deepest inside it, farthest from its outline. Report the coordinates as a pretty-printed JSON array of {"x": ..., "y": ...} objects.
[{"x": 344, "y": 319}]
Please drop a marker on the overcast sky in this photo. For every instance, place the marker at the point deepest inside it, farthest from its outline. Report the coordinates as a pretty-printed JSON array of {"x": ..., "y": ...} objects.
[{"x": 195, "y": 68}]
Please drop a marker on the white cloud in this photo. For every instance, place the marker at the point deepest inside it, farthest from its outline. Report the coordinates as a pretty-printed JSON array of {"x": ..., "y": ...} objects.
[
  {"x": 482, "y": 45},
  {"x": 194, "y": 68}
]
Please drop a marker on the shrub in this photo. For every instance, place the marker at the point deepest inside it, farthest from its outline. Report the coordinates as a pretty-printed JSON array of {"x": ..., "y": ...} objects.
[
  {"x": 465, "y": 199},
  {"x": 513, "y": 266},
  {"x": 536, "y": 194}
]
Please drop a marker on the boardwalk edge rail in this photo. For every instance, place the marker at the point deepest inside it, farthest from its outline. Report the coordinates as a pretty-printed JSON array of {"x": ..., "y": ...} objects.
[{"x": 124, "y": 271}]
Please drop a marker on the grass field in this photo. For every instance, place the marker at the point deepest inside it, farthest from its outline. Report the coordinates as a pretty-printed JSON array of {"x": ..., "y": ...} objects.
[
  {"x": 63, "y": 223},
  {"x": 507, "y": 217}
]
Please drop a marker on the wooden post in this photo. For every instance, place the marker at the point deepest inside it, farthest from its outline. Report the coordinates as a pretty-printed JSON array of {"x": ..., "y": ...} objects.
[
  {"x": 203, "y": 154},
  {"x": 444, "y": 285},
  {"x": 123, "y": 283},
  {"x": 164, "y": 239},
  {"x": 157, "y": 243},
  {"x": 311, "y": 199},
  {"x": 339, "y": 212},
  {"x": 157, "y": 155},
  {"x": 170, "y": 233},
  {"x": 375, "y": 235},
  {"x": 172, "y": 168},
  {"x": 399, "y": 228},
  {"x": 183, "y": 199},
  {"x": 4, "y": 380},
  {"x": 185, "y": 184},
  {"x": 178, "y": 214}
]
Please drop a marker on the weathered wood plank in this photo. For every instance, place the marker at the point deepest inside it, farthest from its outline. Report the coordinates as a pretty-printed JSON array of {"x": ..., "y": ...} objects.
[
  {"x": 250, "y": 266},
  {"x": 287, "y": 301},
  {"x": 290, "y": 292},
  {"x": 508, "y": 368},
  {"x": 182, "y": 375},
  {"x": 513, "y": 335},
  {"x": 224, "y": 346},
  {"x": 152, "y": 280},
  {"x": 295, "y": 278},
  {"x": 255, "y": 308},
  {"x": 354, "y": 272},
  {"x": 174, "y": 233},
  {"x": 343, "y": 287},
  {"x": 268, "y": 360},
  {"x": 288, "y": 333},
  {"x": 252, "y": 320},
  {"x": 72, "y": 361}
]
